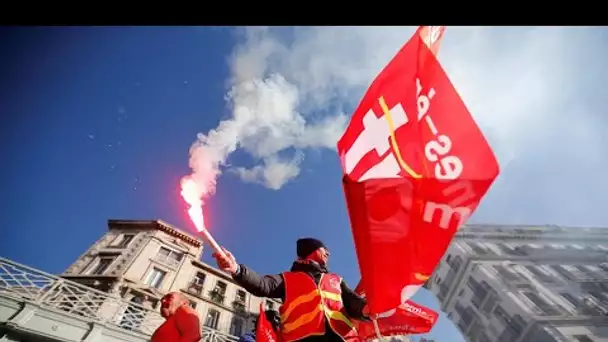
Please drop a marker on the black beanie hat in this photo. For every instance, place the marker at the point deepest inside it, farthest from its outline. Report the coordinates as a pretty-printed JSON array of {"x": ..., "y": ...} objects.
[{"x": 306, "y": 246}]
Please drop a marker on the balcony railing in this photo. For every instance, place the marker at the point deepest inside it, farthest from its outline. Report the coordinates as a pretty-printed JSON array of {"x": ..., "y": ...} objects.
[
  {"x": 50, "y": 292},
  {"x": 239, "y": 305},
  {"x": 165, "y": 259},
  {"x": 217, "y": 296},
  {"x": 195, "y": 288}
]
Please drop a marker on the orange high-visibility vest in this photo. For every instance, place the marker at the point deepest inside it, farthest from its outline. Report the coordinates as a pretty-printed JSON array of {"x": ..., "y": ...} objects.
[{"x": 308, "y": 307}]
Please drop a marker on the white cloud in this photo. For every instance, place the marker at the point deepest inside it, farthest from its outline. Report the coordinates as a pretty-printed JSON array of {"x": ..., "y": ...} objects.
[{"x": 533, "y": 91}]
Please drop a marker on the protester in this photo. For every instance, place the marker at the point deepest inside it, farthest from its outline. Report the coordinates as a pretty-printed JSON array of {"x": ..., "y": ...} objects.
[
  {"x": 318, "y": 306},
  {"x": 181, "y": 321}
]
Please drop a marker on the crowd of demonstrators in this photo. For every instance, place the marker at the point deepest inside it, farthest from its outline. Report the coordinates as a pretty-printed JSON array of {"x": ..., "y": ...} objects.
[{"x": 318, "y": 306}]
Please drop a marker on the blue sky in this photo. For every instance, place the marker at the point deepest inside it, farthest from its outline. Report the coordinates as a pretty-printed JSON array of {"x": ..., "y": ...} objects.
[{"x": 99, "y": 122}]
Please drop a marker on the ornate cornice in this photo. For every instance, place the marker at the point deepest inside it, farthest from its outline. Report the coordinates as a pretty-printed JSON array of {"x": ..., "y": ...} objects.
[{"x": 155, "y": 224}]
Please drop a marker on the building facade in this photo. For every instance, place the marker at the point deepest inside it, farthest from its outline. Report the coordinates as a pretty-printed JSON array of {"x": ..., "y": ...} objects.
[
  {"x": 118, "y": 282},
  {"x": 520, "y": 284}
]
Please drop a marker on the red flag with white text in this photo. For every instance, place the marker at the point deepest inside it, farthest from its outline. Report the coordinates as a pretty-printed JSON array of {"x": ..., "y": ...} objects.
[
  {"x": 407, "y": 319},
  {"x": 415, "y": 168}
]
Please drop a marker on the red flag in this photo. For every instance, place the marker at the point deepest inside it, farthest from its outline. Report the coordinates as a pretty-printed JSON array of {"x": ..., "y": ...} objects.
[
  {"x": 409, "y": 318},
  {"x": 415, "y": 168},
  {"x": 263, "y": 330}
]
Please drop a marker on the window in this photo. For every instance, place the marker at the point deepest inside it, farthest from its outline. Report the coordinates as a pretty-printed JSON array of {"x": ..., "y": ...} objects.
[
  {"x": 103, "y": 263},
  {"x": 502, "y": 315},
  {"x": 517, "y": 324},
  {"x": 241, "y": 296},
  {"x": 125, "y": 240},
  {"x": 512, "y": 249},
  {"x": 218, "y": 293},
  {"x": 575, "y": 301},
  {"x": 513, "y": 328},
  {"x": 466, "y": 317},
  {"x": 199, "y": 278},
  {"x": 239, "y": 301},
  {"x": 475, "y": 330},
  {"x": 490, "y": 303},
  {"x": 220, "y": 287},
  {"x": 213, "y": 317},
  {"x": 587, "y": 271},
  {"x": 169, "y": 256},
  {"x": 455, "y": 263},
  {"x": 542, "y": 304},
  {"x": 564, "y": 272},
  {"x": 508, "y": 274},
  {"x": 443, "y": 290},
  {"x": 540, "y": 274},
  {"x": 236, "y": 326},
  {"x": 480, "y": 291},
  {"x": 478, "y": 248},
  {"x": 575, "y": 271},
  {"x": 155, "y": 278},
  {"x": 599, "y": 296},
  {"x": 196, "y": 285}
]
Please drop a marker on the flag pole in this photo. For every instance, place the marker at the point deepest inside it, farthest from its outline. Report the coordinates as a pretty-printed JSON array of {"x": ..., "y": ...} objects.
[{"x": 377, "y": 329}]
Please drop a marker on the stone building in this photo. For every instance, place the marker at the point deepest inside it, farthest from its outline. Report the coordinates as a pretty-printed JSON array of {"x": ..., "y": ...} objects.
[
  {"x": 528, "y": 283},
  {"x": 116, "y": 285}
]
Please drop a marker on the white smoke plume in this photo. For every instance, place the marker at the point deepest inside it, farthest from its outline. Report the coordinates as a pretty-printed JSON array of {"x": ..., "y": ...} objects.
[{"x": 533, "y": 91}]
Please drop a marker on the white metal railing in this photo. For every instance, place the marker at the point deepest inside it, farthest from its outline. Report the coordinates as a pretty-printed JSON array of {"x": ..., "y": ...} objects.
[{"x": 51, "y": 292}]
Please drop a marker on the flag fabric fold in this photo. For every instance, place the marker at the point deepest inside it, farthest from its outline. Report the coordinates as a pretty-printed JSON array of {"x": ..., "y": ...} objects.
[{"x": 409, "y": 318}]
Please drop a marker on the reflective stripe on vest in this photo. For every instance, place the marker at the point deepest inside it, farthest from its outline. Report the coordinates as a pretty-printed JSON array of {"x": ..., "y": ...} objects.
[{"x": 308, "y": 306}]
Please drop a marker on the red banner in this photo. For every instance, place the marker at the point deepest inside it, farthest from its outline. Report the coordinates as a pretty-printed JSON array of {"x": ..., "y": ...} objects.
[
  {"x": 415, "y": 168},
  {"x": 407, "y": 319}
]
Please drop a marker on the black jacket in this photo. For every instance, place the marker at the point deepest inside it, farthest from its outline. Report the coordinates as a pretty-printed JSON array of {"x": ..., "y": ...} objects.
[{"x": 273, "y": 286}]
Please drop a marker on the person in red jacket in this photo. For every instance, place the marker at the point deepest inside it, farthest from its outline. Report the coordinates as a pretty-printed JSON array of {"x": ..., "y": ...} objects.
[
  {"x": 318, "y": 306},
  {"x": 181, "y": 321}
]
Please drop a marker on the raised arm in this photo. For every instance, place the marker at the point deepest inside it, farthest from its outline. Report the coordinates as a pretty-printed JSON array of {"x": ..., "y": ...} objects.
[
  {"x": 270, "y": 286},
  {"x": 354, "y": 304}
]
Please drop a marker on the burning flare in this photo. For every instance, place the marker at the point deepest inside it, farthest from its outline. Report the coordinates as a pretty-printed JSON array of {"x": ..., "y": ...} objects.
[{"x": 192, "y": 194}]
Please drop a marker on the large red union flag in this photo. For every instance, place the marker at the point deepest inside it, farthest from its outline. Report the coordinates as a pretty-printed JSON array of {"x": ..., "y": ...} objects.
[{"x": 415, "y": 168}]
